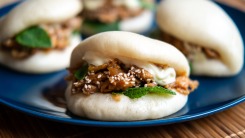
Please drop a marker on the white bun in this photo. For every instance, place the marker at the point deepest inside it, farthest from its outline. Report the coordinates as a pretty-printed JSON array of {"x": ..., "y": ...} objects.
[
  {"x": 126, "y": 44},
  {"x": 33, "y": 12},
  {"x": 131, "y": 45},
  {"x": 204, "y": 23},
  {"x": 42, "y": 62},
  {"x": 103, "y": 107},
  {"x": 138, "y": 24}
]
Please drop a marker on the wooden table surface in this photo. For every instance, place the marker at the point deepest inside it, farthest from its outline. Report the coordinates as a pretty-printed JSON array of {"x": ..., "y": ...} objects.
[{"x": 228, "y": 124}]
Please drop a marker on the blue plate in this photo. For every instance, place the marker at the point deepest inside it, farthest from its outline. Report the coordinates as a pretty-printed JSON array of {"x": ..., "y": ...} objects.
[{"x": 42, "y": 95}]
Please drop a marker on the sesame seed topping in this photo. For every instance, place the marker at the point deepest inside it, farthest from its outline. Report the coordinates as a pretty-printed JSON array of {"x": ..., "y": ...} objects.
[{"x": 89, "y": 87}]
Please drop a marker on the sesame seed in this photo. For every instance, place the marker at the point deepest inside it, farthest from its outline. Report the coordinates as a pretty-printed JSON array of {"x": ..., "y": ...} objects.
[
  {"x": 112, "y": 80},
  {"x": 89, "y": 87},
  {"x": 86, "y": 86},
  {"x": 132, "y": 82},
  {"x": 99, "y": 76}
]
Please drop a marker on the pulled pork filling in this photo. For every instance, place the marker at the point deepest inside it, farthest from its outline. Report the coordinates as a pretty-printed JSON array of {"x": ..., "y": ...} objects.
[
  {"x": 114, "y": 76},
  {"x": 110, "y": 12},
  {"x": 59, "y": 34},
  {"x": 189, "y": 49}
]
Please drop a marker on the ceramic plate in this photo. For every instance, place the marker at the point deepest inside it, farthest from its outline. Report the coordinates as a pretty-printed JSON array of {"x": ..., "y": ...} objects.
[{"x": 42, "y": 95}]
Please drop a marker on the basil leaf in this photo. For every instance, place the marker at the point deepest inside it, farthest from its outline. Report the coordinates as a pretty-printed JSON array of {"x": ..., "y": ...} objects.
[
  {"x": 93, "y": 27},
  {"x": 147, "y": 5},
  {"x": 34, "y": 37},
  {"x": 141, "y": 91},
  {"x": 81, "y": 72}
]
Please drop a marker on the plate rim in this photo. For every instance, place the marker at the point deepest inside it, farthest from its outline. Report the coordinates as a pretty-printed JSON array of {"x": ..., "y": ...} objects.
[
  {"x": 97, "y": 123},
  {"x": 143, "y": 123}
]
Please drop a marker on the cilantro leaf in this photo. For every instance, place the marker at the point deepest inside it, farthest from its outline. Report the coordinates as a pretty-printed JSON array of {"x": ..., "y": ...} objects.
[
  {"x": 81, "y": 72},
  {"x": 34, "y": 37},
  {"x": 141, "y": 91},
  {"x": 93, "y": 27}
]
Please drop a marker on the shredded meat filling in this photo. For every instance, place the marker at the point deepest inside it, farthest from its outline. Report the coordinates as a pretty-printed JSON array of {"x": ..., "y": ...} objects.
[
  {"x": 115, "y": 76},
  {"x": 188, "y": 49},
  {"x": 183, "y": 85},
  {"x": 59, "y": 34},
  {"x": 110, "y": 13}
]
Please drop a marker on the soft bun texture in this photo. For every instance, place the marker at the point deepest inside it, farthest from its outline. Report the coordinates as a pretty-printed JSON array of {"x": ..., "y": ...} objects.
[
  {"x": 139, "y": 24},
  {"x": 42, "y": 62},
  {"x": 116, "y": 44},
  {"x": 103, "y": 107},
  {"x": 33, "y": 12},
  {"x": 126, "y": 44},
  {"x": 204, "y": 23}
]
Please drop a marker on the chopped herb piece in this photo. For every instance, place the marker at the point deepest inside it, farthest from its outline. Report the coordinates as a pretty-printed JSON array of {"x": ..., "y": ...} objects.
[
  {"x": 93, "y": 27},
  {"x": 147, "y": 5},
  {"x": 81, "y": 72}
]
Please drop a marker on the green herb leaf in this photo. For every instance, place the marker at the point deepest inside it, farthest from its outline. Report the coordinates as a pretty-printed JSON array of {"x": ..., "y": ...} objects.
[
  {"x": 75, "y": 32},
  {"x": 34, "y": 37},
  {"x": 93, "y": 27},
  {"x": 147, "y": 5},
  {"x": 141, "y": 91},
  {"x": 81, "y": 72},
  {"x": 191, "y": 67},
  {"x": 155, "y": 33}
]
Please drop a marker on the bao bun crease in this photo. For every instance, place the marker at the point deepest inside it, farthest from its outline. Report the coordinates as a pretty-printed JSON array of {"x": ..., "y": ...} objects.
[
  {"x": 151, "y": 106},
  {"x": 204, "y": 23},
  {"x": 35, "y": 12}
]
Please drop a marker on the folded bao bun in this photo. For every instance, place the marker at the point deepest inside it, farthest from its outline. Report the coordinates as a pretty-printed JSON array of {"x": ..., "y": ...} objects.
[
  {"x": 34, "y": 12},
  {"x": 202, "y": 22},
  {"x": 136, "y": 47},
  {"x": 139, "y": 23}
]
